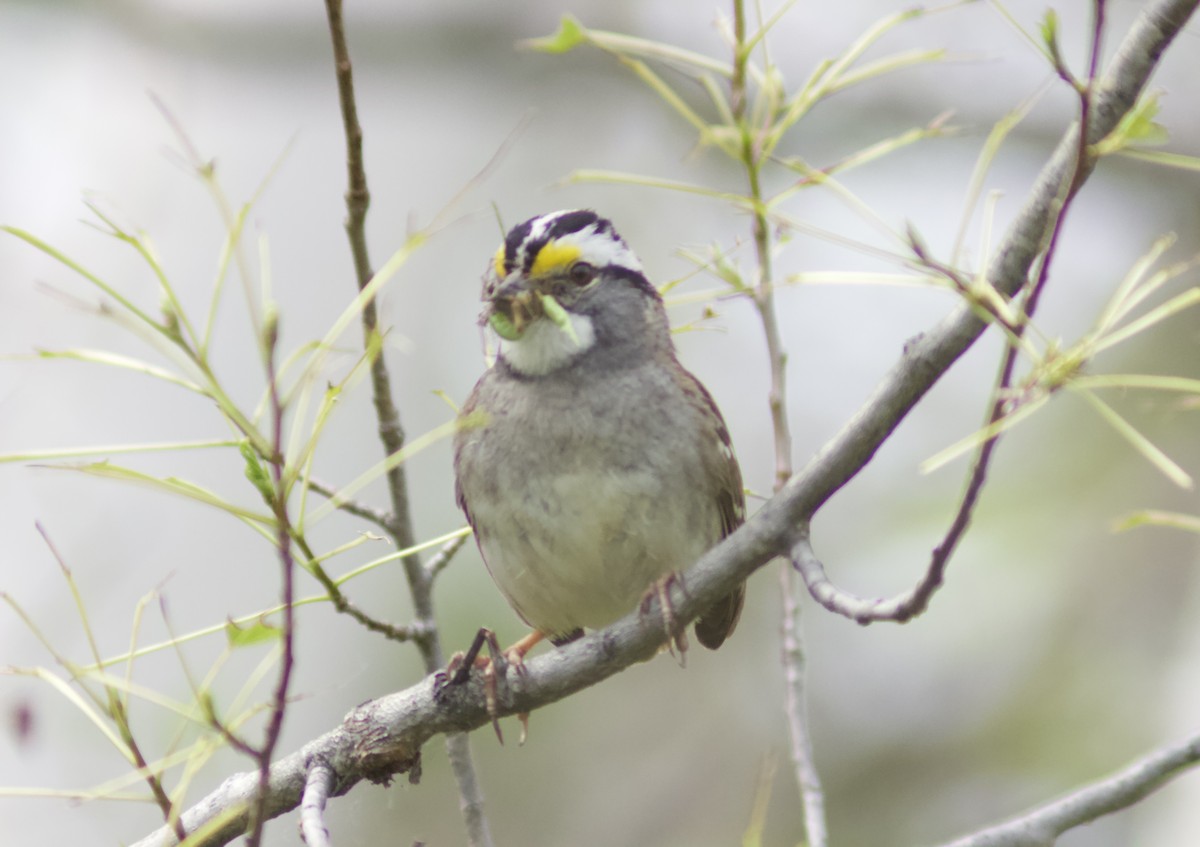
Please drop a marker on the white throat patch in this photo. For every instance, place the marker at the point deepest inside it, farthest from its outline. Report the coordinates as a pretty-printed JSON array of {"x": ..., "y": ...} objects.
[{"x": 545, "y": 347}]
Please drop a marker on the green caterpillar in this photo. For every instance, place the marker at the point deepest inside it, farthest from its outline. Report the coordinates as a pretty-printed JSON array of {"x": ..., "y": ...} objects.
[
  {"x": 551, "y": 308},
  {"x": 558, "y": 316},
  {"x": 504, "y": 326}
]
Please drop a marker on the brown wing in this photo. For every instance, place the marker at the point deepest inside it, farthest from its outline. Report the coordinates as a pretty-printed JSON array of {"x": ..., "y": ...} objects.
[{"x": 718, "y": 622}]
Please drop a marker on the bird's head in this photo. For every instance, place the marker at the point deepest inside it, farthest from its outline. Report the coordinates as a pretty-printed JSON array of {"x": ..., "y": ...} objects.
[{"x": 562, "y": 284}]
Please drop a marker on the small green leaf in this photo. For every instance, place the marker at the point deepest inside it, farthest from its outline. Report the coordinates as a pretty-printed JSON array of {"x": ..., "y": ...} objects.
[
  {"x": 753, "y": 836},
  {"x": 569, "y": 36},
  {"x": 116, "y": 360},
  {"x": 37, "y": 455},
  {"x": 270, "y": 327},
  {"x": 981, "y": 436},
  {"x": 472, "y": 420},
  {"x": 247, "y": 635},
  {"x": 172, "y": 485},
  {"x": 1140, "y": 442},
  {"x": 1159, "y": 157},
  {"x": 255, "y": 472},
  {"x": 1136, "y": 127},
  {"x": 1049, "y": 29},
  {"x": 1174, "y": 520}
]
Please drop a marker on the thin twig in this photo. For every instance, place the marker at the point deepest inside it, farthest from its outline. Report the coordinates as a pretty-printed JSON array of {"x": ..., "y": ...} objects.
[
  {"x": 209, "y": 712},
  {"x": 318, "y": 784},
  {"x": 792, "y": 653},
  {"x": 352, "y": 507},
  {"x": 905, "y": 606},
  {"x": 1042, "y": 826},
  {"x": 283, "y": 544},
  {"x": 443, "y": 556},
  {"x": 391, "y": 433},
  {"x": 1000, "y": 406},
  {"x": 345, "y": 606},
  {"x": 415, "y": 631},
  {"x": 898, "y": 609},
  {"x": 117, "y": 710},
  {"x": 358, "y": 200},
  {"x": 795, "y": 678}
]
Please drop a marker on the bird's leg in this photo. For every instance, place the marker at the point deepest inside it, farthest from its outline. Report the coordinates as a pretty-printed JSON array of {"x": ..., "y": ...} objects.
[
  {"x": 515, "y": 655},
  {"x": 459, "y": 668},
  {"x": 516, "y": 660},
  {"x": 676, "y": 634},
  {"x": 495, "y": 665},
  {"x": 461, "y": 664}
]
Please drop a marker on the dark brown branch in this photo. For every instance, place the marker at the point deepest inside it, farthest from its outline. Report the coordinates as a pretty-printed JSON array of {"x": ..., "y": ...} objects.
[
  {"x": 391, "y": 433},
  {"x": 358, "y": 200}
]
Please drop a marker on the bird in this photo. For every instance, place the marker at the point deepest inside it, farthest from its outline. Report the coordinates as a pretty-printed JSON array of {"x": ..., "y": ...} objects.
[{"x": 591, "y": 465}]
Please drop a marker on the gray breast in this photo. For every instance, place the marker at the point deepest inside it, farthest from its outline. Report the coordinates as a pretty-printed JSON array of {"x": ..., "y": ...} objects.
[{"x": 579, "y": 505}]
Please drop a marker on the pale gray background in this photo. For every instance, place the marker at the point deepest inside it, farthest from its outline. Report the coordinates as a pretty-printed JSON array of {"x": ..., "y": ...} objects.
[{"x": 1056, "y": 652}]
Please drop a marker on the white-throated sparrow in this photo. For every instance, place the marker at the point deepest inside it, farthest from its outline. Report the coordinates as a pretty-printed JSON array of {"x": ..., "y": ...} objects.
[{"x": 590, "y": 463}]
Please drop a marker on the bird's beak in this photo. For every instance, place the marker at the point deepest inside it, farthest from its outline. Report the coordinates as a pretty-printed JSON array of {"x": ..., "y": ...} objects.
[
  {"x": 513, "y": 305},
  {"x": 518, "y": 301}
]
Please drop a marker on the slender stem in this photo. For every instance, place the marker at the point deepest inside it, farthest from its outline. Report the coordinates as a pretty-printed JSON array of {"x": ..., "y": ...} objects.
[
  {"x": 792, "y": 653},
  {"x": 288, "y": 566},
  {"x": 913, "y": 602},
  {"x": 351, "y": 507},
  {"x": 391, "y": 434},
  {"x": 345, "y": 606},
  {"x": 764, "y": 288},
  {"x": 1000, "y": 405},
  {"x": 443, "y": 556},
  {"x": 795, "y": 668},
  {"x": 318, "y": 784},
  {"x": 118, "y": 712}
]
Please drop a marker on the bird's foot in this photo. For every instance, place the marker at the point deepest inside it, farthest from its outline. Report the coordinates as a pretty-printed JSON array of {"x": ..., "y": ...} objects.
[
  {"x": 677, "y": 641},
  {"x": 495, "y": 670}
]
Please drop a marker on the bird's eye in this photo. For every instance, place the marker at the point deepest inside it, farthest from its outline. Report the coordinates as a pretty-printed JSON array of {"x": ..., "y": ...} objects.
[{"x": 581, "y": 273}]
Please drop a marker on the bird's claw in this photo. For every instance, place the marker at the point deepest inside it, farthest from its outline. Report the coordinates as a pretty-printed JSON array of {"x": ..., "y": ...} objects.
[
  {"x": 677, "y": 640},
  {"x": 495, "y": 667}
]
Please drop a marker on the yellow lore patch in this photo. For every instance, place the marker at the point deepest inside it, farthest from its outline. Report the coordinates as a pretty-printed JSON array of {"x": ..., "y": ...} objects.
[
  {"x": 499, "y": 260},
  {"x": 554, "y": 256}
]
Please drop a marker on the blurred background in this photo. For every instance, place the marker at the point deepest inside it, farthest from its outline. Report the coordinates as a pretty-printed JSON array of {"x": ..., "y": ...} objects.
[{"x": 1057, "y": 651}]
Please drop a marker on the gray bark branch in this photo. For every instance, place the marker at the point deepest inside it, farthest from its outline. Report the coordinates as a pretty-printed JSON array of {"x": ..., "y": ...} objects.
[{"x": 1042, "y": 826}]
